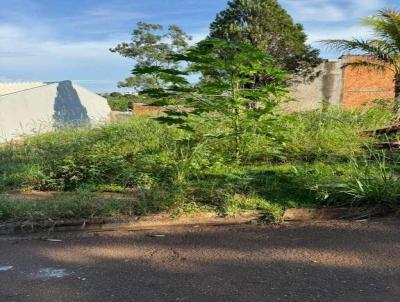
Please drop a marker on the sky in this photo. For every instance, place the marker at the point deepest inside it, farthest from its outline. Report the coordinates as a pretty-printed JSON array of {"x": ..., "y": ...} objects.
[{"x": 53, "y": 40}]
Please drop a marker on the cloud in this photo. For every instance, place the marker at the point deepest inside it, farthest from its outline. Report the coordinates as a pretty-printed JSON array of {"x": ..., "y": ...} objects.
[
  {"x": 318, "y": 11},
  {"x": 331, "y": 11},
  {"x": 341, "y": 32},
  {"x": 199, "y": 35},
  {"x": 19, "y": 42}
]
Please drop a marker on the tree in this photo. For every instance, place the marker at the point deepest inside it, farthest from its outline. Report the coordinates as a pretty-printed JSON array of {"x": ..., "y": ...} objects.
[
  {"x": 221, "y": 97},
  {"x": 265, "y": 25},
  {"x": 384, "y": 46},
  {"x": 151, "y": 46}
]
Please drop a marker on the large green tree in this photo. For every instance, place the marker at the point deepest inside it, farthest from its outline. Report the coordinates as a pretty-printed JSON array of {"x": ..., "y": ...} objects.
[
  {"x": 384, "y": 45},
  {"x": 151, "y": 45},
  {"x": 265, "y": 25}
]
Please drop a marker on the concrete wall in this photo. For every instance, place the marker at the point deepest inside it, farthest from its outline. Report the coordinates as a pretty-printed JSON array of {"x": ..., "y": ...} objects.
[
  {"x": 49, "y": 107},
  {"x": 340, "y": 84},
  {"x": 27, "y": 112},
  {"x": 325, "y": 86},
  {"x": 97, "y": 107}
]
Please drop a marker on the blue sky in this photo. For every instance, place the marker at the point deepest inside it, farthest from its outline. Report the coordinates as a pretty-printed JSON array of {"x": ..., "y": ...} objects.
[{"x": 50, "y": 40}]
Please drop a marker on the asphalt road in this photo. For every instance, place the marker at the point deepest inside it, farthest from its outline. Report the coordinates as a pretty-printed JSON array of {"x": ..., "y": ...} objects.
[{"x": 335, "y": 261}]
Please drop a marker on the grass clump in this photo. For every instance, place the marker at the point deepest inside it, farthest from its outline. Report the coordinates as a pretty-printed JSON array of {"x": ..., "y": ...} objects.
[{"x": 372, "y": 181}]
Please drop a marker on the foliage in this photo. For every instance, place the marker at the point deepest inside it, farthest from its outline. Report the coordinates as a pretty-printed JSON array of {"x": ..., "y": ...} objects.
[
  {"x": 159, "y": 169},
  {"x": 151, "y": 45},
  {"x": 264, "y": 24},
  {"x": 119, "y": 103},
  {"x": 64, "y": 206},
  {"x": 384, "y": 46},
  {"x": 371, "y": 181},
  {"x": 223, "y": 99},
  {"x": 333, "y": 134}
]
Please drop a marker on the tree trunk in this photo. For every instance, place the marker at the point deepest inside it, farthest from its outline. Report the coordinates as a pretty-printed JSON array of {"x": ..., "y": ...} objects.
[{"x": 396, "y": 105}]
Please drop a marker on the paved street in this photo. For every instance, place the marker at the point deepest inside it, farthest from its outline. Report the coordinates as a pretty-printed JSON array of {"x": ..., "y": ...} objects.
[{"x": 330, "y": 261}]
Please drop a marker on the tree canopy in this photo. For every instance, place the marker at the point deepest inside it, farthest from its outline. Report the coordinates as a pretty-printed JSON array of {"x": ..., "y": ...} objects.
[
  {"x": 151, "y": 45},
  {"x": 265, "y": 25}
]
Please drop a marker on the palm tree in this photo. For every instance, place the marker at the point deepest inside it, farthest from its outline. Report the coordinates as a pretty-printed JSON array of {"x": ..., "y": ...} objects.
[{"x": 384, "y": 46}]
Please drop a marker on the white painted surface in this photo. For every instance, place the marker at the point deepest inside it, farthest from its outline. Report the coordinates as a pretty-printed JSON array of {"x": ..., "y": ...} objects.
[
  {"x": 96, "y": 106},
  {"x": 31, "y": 111},
  {"x": 27, "y": 112}
]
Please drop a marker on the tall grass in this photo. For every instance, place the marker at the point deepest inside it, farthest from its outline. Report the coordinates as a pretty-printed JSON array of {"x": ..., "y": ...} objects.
[
  {"x": 319, "y": 157},
  {"x": 333, "y": 134},
  {"x": 124, "y": 154},
  {"x": 371, "y": 181}
]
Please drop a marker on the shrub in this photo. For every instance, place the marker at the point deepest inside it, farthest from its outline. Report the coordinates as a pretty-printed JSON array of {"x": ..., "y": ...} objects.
[{"x": 119, "y": 103}]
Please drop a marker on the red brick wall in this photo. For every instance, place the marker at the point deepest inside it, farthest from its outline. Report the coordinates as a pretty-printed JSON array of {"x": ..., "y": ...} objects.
[
  {"x": 145, "y": 110},
  {"x": 362, "y": 84}
]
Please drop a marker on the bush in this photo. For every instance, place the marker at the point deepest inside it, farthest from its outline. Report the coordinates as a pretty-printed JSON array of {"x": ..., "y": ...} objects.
[{"x": 119, "y": 103}]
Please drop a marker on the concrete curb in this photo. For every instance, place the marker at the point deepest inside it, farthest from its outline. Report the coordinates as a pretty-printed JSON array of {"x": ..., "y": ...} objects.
[
  {"x": 166, "y": 220},
  {"x": 151, "y": 221},
  {"x": 323, "y": 214}
]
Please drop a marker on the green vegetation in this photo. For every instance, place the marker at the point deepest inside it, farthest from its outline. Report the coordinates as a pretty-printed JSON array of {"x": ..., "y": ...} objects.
[
  {"x": 120, "y": 102},
  {"x": 64, "y": 206},
  {"x": 265, "y": 25},
  {"x": 150, "y": 45},
  {"x": 321, "y": 160},
  {"x": 225, "y": 147},
  {"x": 225, "y": 98}
]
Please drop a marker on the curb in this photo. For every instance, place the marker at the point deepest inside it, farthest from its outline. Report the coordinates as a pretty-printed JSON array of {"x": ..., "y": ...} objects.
[
  {"x": 138, "y": 223},
  {"x": 166, "y": 220}
]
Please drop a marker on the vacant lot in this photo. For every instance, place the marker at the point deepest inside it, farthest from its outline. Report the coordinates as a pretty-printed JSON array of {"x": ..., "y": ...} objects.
[
  {"x": 335, "y": 261},
  {"x": 321, "y": 159}
]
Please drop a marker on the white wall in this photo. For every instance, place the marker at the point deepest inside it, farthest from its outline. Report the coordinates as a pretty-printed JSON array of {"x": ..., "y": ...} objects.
[
  {"x": 27, "y": 112},
  {"x": 31, "y": 111},
  {"x": 96, "y": 106}
]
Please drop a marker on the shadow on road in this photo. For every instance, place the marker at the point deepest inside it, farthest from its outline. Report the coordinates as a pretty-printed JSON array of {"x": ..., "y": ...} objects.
[{"x": 336, "y": 261}]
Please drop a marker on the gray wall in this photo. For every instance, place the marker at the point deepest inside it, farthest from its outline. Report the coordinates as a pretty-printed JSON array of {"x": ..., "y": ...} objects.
[{"x": 326, "y": 86}]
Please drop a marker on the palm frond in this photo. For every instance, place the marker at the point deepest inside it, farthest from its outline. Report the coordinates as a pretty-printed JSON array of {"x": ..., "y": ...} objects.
[
  {"x": 369, "y": 47},
  {"x": 368, "y": 64},
  {"x": 385, "y": 27}
]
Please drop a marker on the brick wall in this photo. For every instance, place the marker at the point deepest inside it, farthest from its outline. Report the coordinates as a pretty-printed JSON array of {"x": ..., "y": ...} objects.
[
  {"x": 362, "y": 84},
  {"x": 146, "y": 110}
]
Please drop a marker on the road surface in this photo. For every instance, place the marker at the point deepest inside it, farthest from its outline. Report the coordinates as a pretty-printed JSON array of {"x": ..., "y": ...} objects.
[{"x": 326, "y": 261}]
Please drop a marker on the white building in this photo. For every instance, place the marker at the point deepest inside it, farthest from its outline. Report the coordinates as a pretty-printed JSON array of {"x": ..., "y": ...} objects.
[{"x": 32, "y": 108}]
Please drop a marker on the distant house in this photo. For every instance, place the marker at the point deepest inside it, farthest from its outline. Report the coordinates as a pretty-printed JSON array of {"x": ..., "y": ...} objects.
[
  {"x": 30, "y": 108},
  {"x": 340, "y": 84}
]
